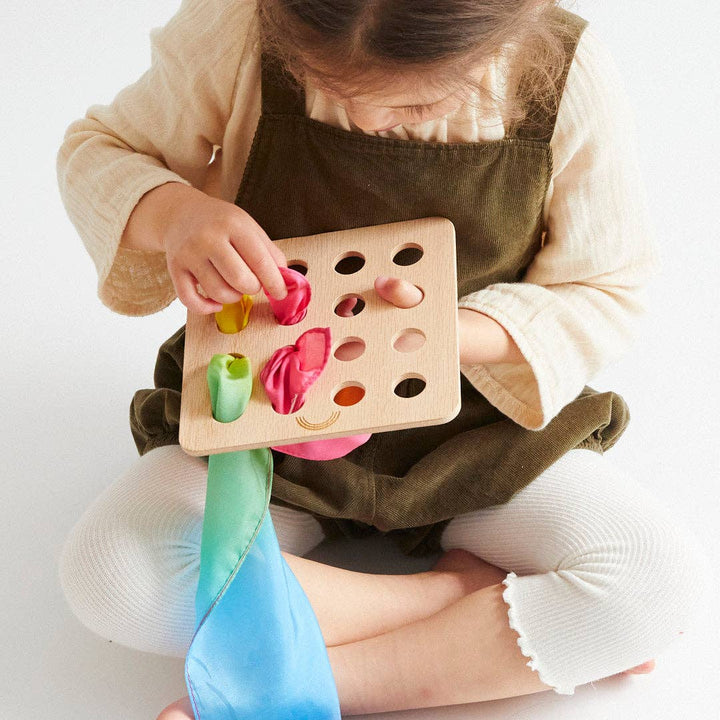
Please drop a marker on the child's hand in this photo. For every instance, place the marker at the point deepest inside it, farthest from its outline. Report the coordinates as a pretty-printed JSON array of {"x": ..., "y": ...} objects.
[
  {"x": 400, "y": 293},
  {"x": 219, "y": 246},
  {"x": 482, "y": 339}
]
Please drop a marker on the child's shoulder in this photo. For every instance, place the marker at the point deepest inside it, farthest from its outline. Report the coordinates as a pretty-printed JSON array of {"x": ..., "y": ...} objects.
[
  {"x": 206, "y": 41},
  {"x": 208, "y": 24},
  {"x": 593, "y": 57},
  {"x": 595, "y": 109},
  {"x": 594, "y": 78}
]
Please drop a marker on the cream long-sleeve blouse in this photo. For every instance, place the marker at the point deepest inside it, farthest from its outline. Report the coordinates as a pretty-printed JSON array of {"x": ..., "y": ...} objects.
[{"x": 574, "y": 311}]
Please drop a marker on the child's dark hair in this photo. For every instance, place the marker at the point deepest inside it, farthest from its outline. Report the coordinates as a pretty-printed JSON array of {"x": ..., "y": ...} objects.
[{"x": 355, "y": 46}]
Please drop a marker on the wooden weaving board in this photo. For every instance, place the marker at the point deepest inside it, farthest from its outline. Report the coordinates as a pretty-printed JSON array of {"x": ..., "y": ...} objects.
[{"x": 378, "y": 370}]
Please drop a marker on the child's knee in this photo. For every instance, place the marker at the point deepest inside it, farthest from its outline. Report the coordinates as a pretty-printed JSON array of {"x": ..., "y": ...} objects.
[
  {"x": 671, "y": 573},
  {"x": 626, "y": 592},
  {"x": 87, "y": 580},
  {"x": 652, "y": 575},
  {"x": 129, "y": 580}
]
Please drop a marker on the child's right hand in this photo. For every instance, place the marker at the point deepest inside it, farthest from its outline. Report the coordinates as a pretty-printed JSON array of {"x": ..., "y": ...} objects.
[{"x": 215, "y": 244}]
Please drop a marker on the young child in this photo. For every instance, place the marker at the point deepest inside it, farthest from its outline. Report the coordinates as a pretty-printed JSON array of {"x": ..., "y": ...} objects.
[{"x": 505, "y": 116}]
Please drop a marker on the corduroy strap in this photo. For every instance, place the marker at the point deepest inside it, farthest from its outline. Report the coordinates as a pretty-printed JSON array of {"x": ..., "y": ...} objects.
[
  {"x": 281, "y": 94},
  {"x": 539, "y": 122}
]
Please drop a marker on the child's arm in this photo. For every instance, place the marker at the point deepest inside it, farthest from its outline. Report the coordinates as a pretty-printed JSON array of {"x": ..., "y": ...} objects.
[
  {"x": 484, "y": 340},
  {"x": 160, "y": 129},
  {"x": 576, "y": 309}
]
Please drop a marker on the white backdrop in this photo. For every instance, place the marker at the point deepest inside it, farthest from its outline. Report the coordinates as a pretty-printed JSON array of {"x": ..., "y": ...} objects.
[{"x": 70, "y": 366}]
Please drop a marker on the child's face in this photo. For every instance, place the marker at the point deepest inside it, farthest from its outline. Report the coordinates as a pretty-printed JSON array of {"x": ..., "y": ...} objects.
[{"x": 395, "y": 104}]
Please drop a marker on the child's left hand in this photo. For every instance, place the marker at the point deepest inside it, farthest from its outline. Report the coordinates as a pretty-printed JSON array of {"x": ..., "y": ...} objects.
[{"x": 482, "y": 339}]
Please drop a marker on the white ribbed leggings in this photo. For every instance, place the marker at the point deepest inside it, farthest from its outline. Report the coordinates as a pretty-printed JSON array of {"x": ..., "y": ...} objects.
[{"x": 600, "y": 576}]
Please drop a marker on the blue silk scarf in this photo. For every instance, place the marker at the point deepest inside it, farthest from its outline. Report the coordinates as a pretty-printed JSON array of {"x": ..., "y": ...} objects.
[{"x": 257, "y": 652}]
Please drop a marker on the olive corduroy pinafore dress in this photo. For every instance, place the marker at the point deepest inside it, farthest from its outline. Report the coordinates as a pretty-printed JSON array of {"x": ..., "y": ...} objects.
[{"x": 304, "y": 177}]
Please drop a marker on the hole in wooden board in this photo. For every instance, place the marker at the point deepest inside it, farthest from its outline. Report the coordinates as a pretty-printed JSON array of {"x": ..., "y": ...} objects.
[
  {"x": 408, "y": 340},
  {"x": 410, "y": 386},
  {"x": 349, "y": 393},
  {"x": 349, "y": 305},
  {"x": 407, "y": 254},
  {"x": 298, "y": 266},
  {"x": 349, "y": 263},
  {"x": 349, "y": 348}
]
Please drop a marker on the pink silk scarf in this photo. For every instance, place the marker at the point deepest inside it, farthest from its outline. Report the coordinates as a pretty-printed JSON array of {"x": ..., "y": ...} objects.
[{"x": 293, "y": 369}]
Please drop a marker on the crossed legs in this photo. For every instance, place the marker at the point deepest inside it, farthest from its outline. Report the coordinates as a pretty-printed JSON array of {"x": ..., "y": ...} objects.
[{"x": 605, "y": 581}]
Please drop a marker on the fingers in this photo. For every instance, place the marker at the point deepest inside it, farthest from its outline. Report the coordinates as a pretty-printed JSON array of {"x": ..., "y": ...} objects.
[
  {"x": 345, "y": 307},
  {"x": 261, "y": 256},
  {"x": 398, "y": 292},
  {"x": 186, "y": 287},
  {"x": 216, "y": 287},
  {"x": 277, "y": 255},
  {"x": 234, "y": 270}
]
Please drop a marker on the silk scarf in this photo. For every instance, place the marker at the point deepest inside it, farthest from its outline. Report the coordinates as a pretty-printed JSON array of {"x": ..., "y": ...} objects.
[{"x": 257, "y": 651}]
